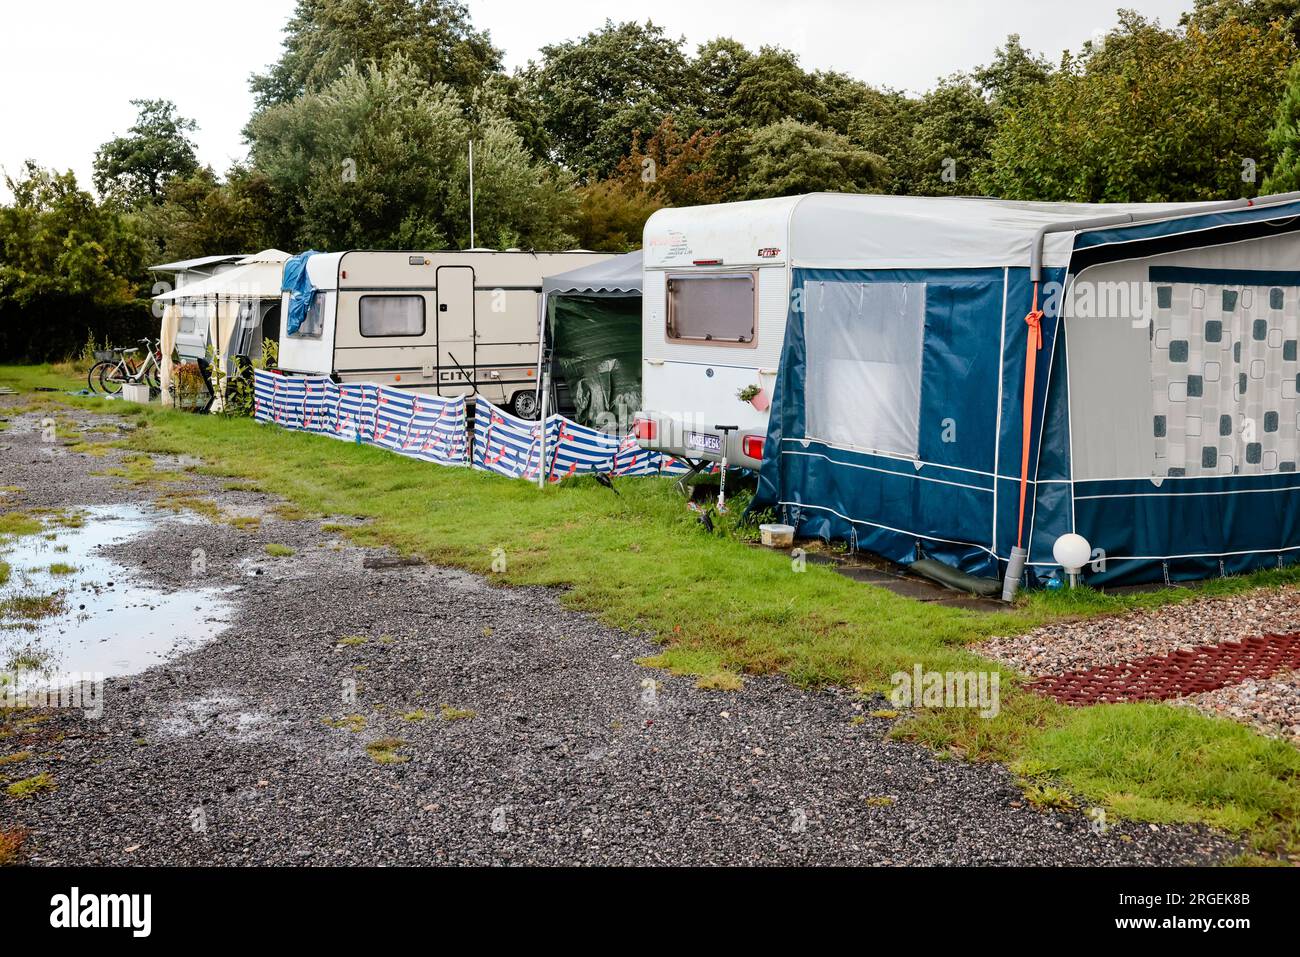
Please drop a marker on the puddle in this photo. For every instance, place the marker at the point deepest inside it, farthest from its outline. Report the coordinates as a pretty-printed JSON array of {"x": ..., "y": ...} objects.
[{"x": 112, "y": 622}]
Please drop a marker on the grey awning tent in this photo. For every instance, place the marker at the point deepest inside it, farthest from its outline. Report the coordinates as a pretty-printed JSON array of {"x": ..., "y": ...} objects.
[
  {"x": 620, "y": 276},
  {"x": 593, "y": 331}
]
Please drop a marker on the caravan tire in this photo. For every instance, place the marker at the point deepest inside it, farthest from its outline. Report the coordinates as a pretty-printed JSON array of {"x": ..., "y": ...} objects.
[{"x": 524, "y": 405}]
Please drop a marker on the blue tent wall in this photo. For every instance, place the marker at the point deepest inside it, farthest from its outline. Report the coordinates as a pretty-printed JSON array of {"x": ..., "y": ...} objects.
[
  {"x": 1189, "y": 528},
  {"x": 953, "y": 508},
  {"x": 943, "y": 505}
]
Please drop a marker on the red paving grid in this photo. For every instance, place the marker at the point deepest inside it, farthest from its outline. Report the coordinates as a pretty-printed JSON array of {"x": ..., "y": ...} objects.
[{"x": 1157, "y": 677}]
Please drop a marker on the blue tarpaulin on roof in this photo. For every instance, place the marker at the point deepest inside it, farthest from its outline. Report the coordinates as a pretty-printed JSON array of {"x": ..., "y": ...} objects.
[{"x": 299, "y": 287}]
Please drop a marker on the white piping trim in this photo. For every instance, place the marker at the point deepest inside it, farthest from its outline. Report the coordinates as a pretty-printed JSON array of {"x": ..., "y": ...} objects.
[
  {"x": 872, "y": 468},
  {"x": 890, "y": 528},
  {"x": 922, "y": 463},
  {"x": 1244, "y": 491},
  {"x": 1159, "y": 558}
]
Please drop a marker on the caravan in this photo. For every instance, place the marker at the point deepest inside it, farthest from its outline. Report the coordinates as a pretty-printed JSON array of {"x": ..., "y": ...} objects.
[
  {"x": 976, "y": 382},
  {"x": 445, "y": 323},
  {"x": 716, "y": 291}
]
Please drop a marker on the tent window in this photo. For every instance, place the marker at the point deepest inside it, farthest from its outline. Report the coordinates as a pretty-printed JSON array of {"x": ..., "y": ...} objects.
[
  {"x": 313, "y": 324},
  {"x": 1224, "y": 377},
  {"x": 383, "y": 316},
  {"x": 863, "y": 386},
  {"x": 718, "y": 309}
]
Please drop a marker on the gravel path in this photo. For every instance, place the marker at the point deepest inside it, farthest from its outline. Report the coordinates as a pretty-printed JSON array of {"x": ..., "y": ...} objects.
[
  {"x": 1270, "y": 705},
  {"x": 1075, "y": 645},
  {"x": 313, "y": 731}
]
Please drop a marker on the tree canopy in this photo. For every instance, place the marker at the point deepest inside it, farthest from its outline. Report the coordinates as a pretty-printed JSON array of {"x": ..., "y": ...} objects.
[
  {"x": 135, "y": 168},
  {"x": 323, "y": 36}
]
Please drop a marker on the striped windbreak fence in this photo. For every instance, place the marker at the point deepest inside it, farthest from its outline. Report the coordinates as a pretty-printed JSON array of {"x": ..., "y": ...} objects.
[{"x": 435, "y": 429}]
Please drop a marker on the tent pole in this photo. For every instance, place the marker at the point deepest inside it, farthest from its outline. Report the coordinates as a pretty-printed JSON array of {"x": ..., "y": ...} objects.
[{"x": 541, "y": 454}]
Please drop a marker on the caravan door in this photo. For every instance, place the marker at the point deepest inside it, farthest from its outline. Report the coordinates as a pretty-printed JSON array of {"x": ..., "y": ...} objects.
[{"x": 455, "y": 330}]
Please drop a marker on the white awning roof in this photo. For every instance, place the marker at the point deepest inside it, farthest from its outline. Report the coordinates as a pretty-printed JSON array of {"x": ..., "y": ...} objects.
[
  {"x": 258, "y": 277},
  {"x": 182, "y": 265}
]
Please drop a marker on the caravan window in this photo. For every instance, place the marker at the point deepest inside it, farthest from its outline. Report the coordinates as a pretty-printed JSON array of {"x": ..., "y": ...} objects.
[
  {"x": 383, "y": 316},
  {"x": 718, "y": 309},
  {"x": 194, "y": 319},
  {"x": 864, "y": 344},
  {"x": 313, "y": 324}
]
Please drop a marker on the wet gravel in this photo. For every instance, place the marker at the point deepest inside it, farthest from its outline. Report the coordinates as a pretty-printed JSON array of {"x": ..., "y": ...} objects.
[{"x": 558, "y": 748}]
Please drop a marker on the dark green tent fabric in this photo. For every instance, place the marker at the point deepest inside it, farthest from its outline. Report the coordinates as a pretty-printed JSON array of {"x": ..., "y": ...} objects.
[{"x": 596, "y": 348}]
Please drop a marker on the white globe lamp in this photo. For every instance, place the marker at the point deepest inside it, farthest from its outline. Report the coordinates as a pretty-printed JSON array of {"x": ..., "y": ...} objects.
[{"x": 1072, "y": 552}]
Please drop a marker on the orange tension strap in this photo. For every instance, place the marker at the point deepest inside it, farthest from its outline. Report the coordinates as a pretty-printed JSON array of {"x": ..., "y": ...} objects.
[{"x": 1033, "y": 342}]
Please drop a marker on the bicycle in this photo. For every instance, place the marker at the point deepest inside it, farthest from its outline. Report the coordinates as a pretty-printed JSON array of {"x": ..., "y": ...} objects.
[{"x": 120, "y": 366}]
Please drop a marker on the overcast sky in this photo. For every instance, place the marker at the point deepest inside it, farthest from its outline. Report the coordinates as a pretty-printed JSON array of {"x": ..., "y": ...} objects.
[{"x": 69, "y": 68}]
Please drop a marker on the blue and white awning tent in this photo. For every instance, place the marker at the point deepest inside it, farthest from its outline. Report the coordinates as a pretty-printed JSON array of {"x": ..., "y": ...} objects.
[{"x": 1131, "y": 371}]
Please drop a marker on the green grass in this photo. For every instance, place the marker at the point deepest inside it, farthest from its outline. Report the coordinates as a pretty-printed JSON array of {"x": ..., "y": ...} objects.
[
  {"x": 31, "y": 607},
  {"x": 62, "y": 568},
  {"x": 384, "y": 751},
  {"x": 1169, "y": 765},
  {"x": 721, "y": 608},
  {"x": 5, "y": 572},
  {"x": 351, "y": 722},
  {"x": 18, "y": 524},
  {"x": 29, "y": 786},
  {"x": 278, "y": 551},
  {"x": 457, "y": 714}
]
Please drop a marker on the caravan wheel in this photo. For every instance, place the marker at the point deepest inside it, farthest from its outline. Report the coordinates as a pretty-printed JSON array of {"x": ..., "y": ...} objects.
[{"x": 524, "y": 405}]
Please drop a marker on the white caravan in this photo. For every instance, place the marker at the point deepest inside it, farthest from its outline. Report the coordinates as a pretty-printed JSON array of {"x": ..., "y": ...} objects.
[
  {"x": 445, "y": 323},
  {"x": 716, "y": 294}
]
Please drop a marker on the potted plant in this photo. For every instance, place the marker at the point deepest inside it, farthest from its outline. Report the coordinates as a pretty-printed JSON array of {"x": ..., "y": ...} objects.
[{"x": 755, "y": 396}]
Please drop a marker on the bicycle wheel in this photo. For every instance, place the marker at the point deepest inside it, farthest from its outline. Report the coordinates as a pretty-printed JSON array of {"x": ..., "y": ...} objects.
[
  {"x": 111, "y": 378},
  {"x": 92, "y": 377}
]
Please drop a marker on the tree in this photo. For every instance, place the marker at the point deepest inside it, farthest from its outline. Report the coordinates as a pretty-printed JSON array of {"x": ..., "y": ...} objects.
[
  {"x": 883, "y": 124},
  {"x": 675, "y": 170},
  {"x": 1284, "y": 139},
  {"x": 200, "y": 215},
  {"x": 1151, "y": 115},
  {"x": 69, "y": 267},
  {"x": 1209, "y": 14},
  {"x": 788, "y": 157},
  {"x": 1014, "y": 73},
  {"x": 611, "y": 218},
  {"x": 435, "y": 37},
  {"x": 596, "y": 92},
  {"x": 843, "y": 98},
  {"x": 135, "y": 168},
  {"x": 716, "y": 69},
  {"x": 378, "y": 159},
  {"x": 950, "y": 139},
  {"x": 771, "y": 86}
]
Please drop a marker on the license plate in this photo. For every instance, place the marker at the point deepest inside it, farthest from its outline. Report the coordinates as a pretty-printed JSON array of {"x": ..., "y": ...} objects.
[{"x": 704, "y": 441}]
